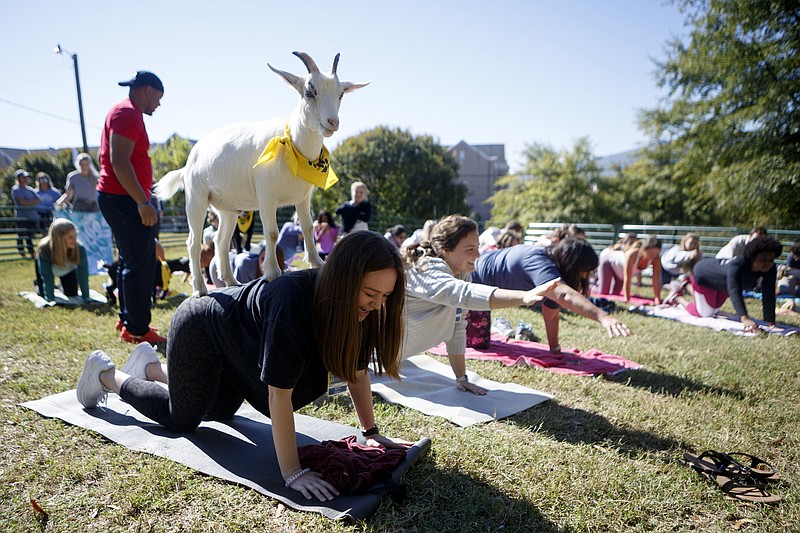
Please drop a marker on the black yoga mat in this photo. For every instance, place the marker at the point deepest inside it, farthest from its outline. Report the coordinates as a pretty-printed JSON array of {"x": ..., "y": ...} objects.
[{"x": 240, "y": 451}]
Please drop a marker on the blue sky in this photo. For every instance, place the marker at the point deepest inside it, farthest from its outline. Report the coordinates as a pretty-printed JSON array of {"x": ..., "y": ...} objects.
[{"x": 511, "y": 72}]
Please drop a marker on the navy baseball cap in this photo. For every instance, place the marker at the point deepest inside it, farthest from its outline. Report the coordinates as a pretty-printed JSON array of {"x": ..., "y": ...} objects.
[{"x": 144, "y": 78}]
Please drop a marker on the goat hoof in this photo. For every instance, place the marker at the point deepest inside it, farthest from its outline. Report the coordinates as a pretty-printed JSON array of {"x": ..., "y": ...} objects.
[{"x": 200, "y": 291}]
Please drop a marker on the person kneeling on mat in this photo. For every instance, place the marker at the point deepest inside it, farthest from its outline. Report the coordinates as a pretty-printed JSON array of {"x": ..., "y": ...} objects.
[{"x": 273, "y": 344}]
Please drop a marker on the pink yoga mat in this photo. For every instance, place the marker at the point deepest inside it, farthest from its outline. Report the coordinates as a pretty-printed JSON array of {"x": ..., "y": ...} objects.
[{"x": 512, "y": 352}]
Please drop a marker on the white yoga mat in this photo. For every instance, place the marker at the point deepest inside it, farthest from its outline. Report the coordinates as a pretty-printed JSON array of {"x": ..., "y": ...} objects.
[
  {"x": 429, "y": 387},
  {"x": 721, "y": 322},
  {"x": 62, "y": 299},
  {"x": 240, "y": 451}
]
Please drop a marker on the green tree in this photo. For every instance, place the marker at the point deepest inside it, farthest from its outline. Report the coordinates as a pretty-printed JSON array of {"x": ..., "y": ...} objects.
[
  {"x": 57, "y": 166},
  {"x": 652, "y": 191},
  {"x": 171, "y": 155},
  {"x": 733, "y": 110},
  {"x": 554, "y": 187},
  {"x": 410, "y": 178}
]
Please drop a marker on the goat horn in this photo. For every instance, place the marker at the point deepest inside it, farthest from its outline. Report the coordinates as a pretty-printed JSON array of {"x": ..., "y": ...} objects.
[
  {"x": 307, "y": 61},
  {"x": 335, "y": 64}
]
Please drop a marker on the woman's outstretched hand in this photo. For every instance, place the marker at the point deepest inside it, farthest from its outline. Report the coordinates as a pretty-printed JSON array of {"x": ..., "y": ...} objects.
[
  {"x": 614, "y": 327},
  {"x": 538, "y": 293}
]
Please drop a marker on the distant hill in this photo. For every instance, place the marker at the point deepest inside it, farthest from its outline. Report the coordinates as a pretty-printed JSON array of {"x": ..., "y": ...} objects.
[{"x": 623, "y": 158}]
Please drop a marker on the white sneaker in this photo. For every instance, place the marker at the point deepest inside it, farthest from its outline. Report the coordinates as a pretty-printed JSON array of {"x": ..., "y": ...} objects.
[
  {"x": 141, "y": 356},
  {"x": 90, "y": 390}
]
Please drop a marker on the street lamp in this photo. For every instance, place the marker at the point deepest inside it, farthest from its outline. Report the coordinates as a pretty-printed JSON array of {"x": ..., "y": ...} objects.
[{"x": 59, "y": 50}]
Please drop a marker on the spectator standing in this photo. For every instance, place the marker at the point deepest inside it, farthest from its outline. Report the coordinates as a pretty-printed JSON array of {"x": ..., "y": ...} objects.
[
  {"x": 48, "y": 196},
  {"x": 126, "y": 177},
  {"x": 80, "y": 192},
  {"x": 25, "y": 202},
  {"x": 357, "y": 212}
]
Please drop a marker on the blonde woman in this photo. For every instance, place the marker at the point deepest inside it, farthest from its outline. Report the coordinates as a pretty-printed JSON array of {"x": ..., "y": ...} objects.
[
  {"x": 61, "y": 254},
  {"x": 680, "y": 259},
  {"x": 80, "y": 192},
  {"x": 355, "y": 213}
]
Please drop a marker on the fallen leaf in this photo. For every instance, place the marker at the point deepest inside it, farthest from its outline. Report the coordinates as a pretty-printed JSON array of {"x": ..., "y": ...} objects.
[{"x": 38, "y": 508}]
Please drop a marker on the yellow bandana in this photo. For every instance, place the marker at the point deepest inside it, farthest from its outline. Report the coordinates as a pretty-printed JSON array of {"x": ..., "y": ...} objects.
[
  {"x": 318, "y": 172},
  {"x": 244, "y": 221}
]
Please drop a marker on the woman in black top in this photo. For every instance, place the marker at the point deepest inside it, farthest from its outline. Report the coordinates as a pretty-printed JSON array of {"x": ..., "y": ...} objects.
[
  {"x": 357, "y": 212},
  {"x": 274, "y": 345},
  {"x": 714, "y": 281}
]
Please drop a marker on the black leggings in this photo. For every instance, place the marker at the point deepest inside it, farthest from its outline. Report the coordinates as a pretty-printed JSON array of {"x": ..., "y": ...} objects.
[{"x": 198, "y": 386}]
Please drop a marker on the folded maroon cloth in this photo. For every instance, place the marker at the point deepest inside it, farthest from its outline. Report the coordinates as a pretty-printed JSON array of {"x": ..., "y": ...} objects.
[
  {"x": 348, "y": 465},
  {"x": 570, "y": 361}
]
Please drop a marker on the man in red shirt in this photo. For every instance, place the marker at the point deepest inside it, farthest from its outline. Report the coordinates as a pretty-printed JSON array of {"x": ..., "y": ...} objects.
[{"x": 126, "y": 177}]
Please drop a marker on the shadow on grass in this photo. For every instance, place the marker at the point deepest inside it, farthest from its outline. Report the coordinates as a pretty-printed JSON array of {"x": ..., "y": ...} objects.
[
  {"x": 668, "y": 384},
  {"x": 449, "y": 500},
  {"x": 172, "y": 302},
  {"x": 577, "y": 426}
]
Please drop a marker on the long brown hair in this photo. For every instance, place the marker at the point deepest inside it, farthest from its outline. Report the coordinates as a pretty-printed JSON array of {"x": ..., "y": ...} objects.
[
  {"x": 54, "y": 242},
  {"x": 342, "y": 339},
  {"x": 574, "y": 258},
  {"x": 445, "y": 236}
]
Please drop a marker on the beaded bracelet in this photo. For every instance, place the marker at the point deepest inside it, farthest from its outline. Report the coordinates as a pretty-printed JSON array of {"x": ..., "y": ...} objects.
[
  {"x": 462, "y": 379},
  {"x": 142, "y": 204},
  {"x": 296, "y": 476}
]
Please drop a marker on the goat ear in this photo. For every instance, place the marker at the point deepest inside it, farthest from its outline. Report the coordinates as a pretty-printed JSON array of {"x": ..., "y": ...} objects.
[
  {"x": 349, "y": 86},
  {"x": 295, "y": 81}
]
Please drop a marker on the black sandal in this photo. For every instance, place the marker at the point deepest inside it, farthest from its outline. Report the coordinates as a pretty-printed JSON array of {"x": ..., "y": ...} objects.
[
  {"x": 716, "y": 463},
  {"x": 759, "y": 468},
  {"x": 733, "y": 478}
]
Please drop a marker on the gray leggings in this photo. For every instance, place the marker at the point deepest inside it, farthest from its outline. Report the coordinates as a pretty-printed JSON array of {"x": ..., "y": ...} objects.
[{"x": 198, "y": 386}]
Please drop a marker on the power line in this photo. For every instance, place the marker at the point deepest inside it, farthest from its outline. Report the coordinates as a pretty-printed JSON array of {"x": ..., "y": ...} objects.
[{"x": 46, "y": 113}]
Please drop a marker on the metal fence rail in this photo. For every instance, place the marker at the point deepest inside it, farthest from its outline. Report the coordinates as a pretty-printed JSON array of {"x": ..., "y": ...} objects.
[
  {"x": 174, "y": 230},
  {"x": 599, "y": 235},
  {"x": 712, "y": 238}
]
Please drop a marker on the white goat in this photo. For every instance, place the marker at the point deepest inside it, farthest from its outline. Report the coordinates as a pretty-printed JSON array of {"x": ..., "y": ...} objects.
[{"x": 220, "y": 171}]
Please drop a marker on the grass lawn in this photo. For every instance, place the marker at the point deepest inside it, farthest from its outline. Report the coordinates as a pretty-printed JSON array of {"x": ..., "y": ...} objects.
[{"x": 603, "y": 455}]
